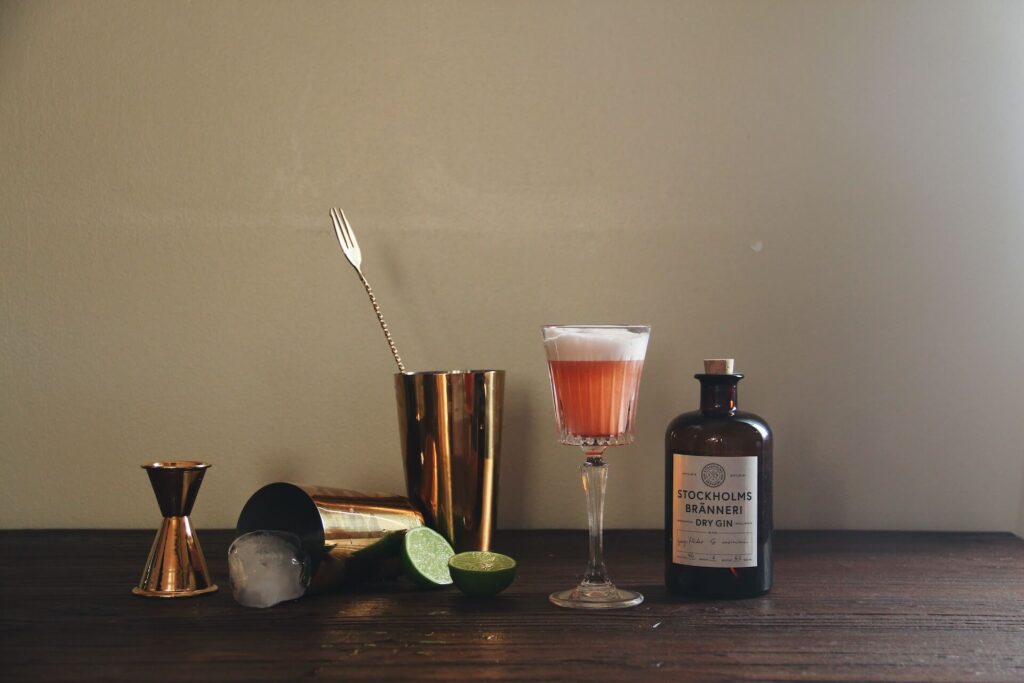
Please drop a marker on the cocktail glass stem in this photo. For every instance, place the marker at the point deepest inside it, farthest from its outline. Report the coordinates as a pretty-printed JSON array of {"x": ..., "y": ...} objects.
[
  {"x": 595, "y": 480},
  {"x": 596, "y": 590}
]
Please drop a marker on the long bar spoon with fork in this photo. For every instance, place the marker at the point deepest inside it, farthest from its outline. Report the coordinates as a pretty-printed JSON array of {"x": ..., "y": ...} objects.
[{"x": 350, "y": 247}]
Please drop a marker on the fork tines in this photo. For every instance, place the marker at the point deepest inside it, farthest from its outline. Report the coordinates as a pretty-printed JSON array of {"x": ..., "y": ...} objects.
[{"x": 346, "y": 237}]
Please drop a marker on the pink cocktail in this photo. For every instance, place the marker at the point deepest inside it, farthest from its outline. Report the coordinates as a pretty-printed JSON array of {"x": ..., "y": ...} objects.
[
  {"x": 595, "y": 398},
  {"x": 595, "y": 379}
]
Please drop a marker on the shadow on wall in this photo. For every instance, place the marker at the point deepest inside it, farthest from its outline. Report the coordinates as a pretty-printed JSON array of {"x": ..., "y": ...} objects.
[
  {"x": 283, "y": 465},
  {"x": 515, "y": 467},
  {"x": 826, "y": 497},
  {"x": 1020, "y": 514}
]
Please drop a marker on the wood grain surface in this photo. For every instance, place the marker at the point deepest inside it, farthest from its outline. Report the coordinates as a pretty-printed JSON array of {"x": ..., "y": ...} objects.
[{"x": 846, "y": 606}]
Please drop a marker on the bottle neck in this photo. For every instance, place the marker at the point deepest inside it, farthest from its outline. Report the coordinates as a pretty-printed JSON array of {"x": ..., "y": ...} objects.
[{"x": 718, "y": 394}]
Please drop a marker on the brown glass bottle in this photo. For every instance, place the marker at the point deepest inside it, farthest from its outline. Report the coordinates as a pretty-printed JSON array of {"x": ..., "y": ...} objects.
[{"x": 718, "y": 495}]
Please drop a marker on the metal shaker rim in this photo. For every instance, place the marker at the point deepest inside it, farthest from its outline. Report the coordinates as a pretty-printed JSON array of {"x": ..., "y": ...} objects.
[
  {"x": 409, "y": 373},
  {"x": 283, "y": 506}
]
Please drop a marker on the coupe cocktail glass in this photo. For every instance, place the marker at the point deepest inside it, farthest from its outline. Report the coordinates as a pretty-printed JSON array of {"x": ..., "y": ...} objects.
[{"x": 595, "y": 378}]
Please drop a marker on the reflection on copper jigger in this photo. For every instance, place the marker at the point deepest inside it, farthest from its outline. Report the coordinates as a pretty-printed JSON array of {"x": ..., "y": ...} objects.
[
  {"x": 450, "y": 426},
  {"x": 331, "y": 523},
  {"x": 176, "y": 567}
]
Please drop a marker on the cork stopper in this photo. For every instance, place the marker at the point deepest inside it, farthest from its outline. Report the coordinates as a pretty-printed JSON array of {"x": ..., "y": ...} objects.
[{"x": 718, "y": 366}]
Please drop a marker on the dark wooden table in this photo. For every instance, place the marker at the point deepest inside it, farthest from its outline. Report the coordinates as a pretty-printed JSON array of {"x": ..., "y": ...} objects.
[{"x": 847, "y": 606}]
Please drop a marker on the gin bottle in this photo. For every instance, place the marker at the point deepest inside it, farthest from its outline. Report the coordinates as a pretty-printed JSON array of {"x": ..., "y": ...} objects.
[{"x": 718, "y": 494}]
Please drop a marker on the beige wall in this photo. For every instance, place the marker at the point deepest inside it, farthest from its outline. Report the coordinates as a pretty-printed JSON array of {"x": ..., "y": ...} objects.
[{"x": 829, "y": 191}]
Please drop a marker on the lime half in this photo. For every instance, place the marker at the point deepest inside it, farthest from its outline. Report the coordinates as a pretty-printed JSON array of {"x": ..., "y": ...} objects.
[
  {"x": 481, "y": 574},
  {"x": 425, "y": 556}
]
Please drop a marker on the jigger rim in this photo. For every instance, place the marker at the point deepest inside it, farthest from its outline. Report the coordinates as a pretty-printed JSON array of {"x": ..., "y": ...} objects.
[{"x": 176, "y": 465}]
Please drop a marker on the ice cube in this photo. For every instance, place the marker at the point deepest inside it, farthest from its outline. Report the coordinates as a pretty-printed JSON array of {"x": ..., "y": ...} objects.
[{"x": 267, "y": 567}]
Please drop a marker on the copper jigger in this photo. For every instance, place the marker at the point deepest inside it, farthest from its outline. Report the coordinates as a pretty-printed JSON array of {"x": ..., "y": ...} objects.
[
  {"x": 450, "y": 426},
  {"x": 176, "y": 567},
  {"x": 331, "y": 523}
]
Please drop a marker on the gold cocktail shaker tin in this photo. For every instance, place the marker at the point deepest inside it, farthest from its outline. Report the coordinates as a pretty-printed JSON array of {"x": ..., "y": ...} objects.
[
  {"x": 450, "y": 425},
  {"x": 331, "y": 523}
]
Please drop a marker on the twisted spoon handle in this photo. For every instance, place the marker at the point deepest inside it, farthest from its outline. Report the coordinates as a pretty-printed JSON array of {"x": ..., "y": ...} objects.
[{"x": 380, "y": 319}]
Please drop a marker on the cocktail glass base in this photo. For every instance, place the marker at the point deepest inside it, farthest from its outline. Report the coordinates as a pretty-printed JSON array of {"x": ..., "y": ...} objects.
[{"x": 596, "y": 596}]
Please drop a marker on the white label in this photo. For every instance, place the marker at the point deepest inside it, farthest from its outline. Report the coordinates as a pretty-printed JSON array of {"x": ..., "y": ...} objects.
[{"x": 714, "y": 511}]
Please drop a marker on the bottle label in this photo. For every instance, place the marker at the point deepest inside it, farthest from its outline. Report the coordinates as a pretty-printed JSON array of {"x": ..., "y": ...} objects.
[{"x": 714, "y": 511}]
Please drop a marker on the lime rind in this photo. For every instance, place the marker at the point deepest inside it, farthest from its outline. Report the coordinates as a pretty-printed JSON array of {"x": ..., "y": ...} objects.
[
  {"x": 379, "y": 560},
  {"x": 388, "y": 545}
]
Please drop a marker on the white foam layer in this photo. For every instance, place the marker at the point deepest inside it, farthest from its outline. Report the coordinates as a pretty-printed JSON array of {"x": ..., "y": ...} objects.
[{"x": 596, "y": 343}]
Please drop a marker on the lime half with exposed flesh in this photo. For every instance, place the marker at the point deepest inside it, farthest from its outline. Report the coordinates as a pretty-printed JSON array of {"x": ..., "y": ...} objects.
[
  {"x": 425, "y": 556},
  {"x": 481, "y": 574}
]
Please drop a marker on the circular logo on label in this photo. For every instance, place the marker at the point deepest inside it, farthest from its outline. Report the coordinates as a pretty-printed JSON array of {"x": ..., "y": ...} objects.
[{"x": 713, "y": 475}]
